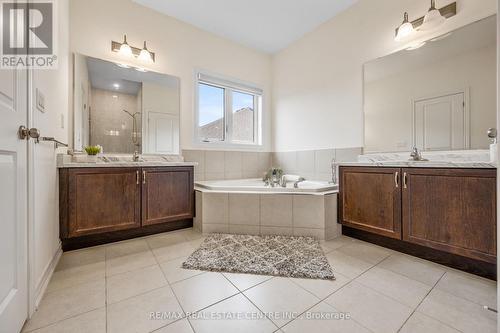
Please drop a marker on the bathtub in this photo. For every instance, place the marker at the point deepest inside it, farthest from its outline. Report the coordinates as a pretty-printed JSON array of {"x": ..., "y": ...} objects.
[
  {"x": 257, "y": 185},
  {"x": 247, "y": 206}
]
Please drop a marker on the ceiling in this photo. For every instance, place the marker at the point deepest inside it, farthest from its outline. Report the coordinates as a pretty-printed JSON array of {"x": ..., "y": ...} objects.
[
  {"x": 109, "y": 76},
  {"x": 266, "y": 25}
]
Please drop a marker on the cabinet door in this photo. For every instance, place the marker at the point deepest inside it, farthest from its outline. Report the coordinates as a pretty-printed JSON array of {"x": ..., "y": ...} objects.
[
  {"x": 370, "y": 200},
  {"x": 452, "y": 210},
  {"x": 103, "y": 199},
  {"x": 167, "y": 194}
]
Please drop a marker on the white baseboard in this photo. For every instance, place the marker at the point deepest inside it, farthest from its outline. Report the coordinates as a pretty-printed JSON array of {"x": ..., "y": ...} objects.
[{"x": 42, "y": 284}]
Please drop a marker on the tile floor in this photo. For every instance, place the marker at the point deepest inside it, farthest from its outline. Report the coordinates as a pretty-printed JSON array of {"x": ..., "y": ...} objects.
[{"x": 117, "y": 288}]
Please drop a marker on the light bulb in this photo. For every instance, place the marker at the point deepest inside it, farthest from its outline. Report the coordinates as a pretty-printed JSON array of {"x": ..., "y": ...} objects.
[
  {"x": 125, "y": 49},
  {"x": 405, "y": 29},
  {"x": 145, "y": 55},
  {"x": 433, "y": 18}
]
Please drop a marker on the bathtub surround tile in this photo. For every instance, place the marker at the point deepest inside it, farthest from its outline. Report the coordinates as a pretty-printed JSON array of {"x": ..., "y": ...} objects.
[
  {"x": 305, "y": 163},
  {"x": 308, "y": 211},
  {"x": 276, "y": 231},
  {"x": 276, "y": 210},
  {"x": 323, "y": 161},
  {"x": 264, "y": 162},
  {"x": 299, "y": 257},
  {"x": 233, "y": 161},
  {"x": 197, "y": 156},
  {"x": 214, "y": 175},
  {"x": 215, "y": 228},
  {"x": 347, "y": 154},
  {"x": 198, "y": 219},
  {"x": 244, "y": 209},
  {"x": 214, "y": 162},
  {"x": 241, "y": 229},
  {"x": 310, "y": 232},
  {"x": 215, "y": 208}
]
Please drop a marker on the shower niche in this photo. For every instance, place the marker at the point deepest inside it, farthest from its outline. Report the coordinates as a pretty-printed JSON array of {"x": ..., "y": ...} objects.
[{"x": 124, "y": 109}]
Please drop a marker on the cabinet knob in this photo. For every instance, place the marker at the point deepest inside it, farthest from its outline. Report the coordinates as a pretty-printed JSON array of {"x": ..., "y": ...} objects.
[
  {"x": 405, "y": 180},
  {"x": 396, "y": 179},
  {"x": 137, "y": 177}
]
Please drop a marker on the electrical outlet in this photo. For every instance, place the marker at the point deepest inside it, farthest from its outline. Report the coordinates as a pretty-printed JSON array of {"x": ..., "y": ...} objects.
[{"x": 40, "y": 101}]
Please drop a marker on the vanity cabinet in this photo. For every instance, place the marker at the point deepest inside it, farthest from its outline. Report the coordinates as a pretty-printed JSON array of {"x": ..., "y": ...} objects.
[
  {"x": 421, "y": 210},
  {"x": 100, "y": 205},
  {"x": 371, "y": 200}
]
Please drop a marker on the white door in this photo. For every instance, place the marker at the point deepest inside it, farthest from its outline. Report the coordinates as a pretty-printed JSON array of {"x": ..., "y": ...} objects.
[
  {"x": 163, "y": 133},
  {"x": 13, "y": 201},
  {"x": 441, "y": 123}
]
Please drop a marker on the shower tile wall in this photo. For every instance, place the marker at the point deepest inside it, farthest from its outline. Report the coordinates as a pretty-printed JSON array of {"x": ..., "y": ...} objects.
[
  {"x": 107, "y": 117},
  {"x": 312, "y": 164}
]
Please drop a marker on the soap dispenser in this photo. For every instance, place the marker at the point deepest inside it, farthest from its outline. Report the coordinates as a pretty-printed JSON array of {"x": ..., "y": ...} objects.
[{"x": 492, "y": 134}]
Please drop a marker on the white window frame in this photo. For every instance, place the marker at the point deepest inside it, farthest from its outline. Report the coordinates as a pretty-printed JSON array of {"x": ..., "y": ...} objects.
[{"x": 233, "y": 86}]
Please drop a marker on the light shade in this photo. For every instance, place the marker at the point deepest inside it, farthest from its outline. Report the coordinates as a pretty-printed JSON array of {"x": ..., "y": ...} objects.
[
  {"x": 125, "y": 49},
  {"x": 433, "y": 18},
  {"x": 145, "y": 55},
  {"x": 405, "y": 29}
]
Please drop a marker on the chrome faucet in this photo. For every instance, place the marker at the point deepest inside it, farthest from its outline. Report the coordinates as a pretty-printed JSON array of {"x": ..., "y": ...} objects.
[
  {"x": 334, "y": 171},
  {"x": 416, "y": 155},
  {"x": 296, "y": 184},
  {"x": 136, "y": 156}
]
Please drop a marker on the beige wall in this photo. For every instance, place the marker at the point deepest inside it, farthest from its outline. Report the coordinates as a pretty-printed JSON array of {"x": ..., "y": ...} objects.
[
  {"x": 317, "y": 81},
  {"x": 388, "y": 101},
  {"x": 180, "y": 50},
  {"x": 44, "y": 220}
]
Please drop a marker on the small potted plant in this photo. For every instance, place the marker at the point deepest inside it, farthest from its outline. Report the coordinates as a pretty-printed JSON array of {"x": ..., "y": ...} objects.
[{"x": 92, "y": 152}]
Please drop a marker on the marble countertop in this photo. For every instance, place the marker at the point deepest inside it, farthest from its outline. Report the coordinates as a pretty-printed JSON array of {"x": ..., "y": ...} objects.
[
  {"x": 121, "y": 161},
  {"x": 424, "y": 164}
]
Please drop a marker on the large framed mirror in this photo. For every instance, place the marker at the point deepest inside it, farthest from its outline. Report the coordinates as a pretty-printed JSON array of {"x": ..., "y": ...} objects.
[
  {"x": 124, "y": 109},
  {"x": 439, "y": 95}
]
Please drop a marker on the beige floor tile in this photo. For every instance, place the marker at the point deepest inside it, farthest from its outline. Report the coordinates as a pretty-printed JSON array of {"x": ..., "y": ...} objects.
[
  {"x": 93, "y": 321},
  {"x": 135, "y": 314},
  {"x": 68, "y": 302},
  {"x": 283, "y": 297},
  {"x": 167, "y": 253},
  {"x": 69, "y": 277},
  {"x": 203, "y": 290},
  {"x": 129, "y": 263},
  {"x": 458, "y": 313},
  {"x": 414, "y": 268},
  {"x": 174, "y": 272},
  {"x": 166, "y": 239},
  {"x": 125, "y": 285},
  {"x": 404, "y": 290},
  {"x": 180, "y": 326},
  {"x": 190, "y": 233},
  {"x": 240, "y": 316},
  {"x": 470, "y": 287},
  {"x": 420, "y": 323},
  {"x": 371, "y": 309},
  {"x": 366, "y": 252},
  {"x": 347, "y": 265},
  {"x": 322, "y": 288},
  {"x": 81, "y": 257},
  {"x": 312, "y": 321},
  {"x": 334, "y": 244},
  {"x": 245, "y": 281},
  {"x": 125, "y": 248}
]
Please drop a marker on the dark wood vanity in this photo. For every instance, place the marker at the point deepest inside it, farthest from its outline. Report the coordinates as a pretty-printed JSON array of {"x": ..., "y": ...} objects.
[
  {"x": 100, "y": 205},
  {"x": 447, "y": 215}
]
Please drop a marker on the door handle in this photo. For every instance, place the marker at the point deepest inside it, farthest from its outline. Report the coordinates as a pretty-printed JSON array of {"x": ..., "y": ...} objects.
[
  {"x": 137, "y": 177},
  {"x": 396, "y": 179},
  {"x": 405, "y": 180},
  {"x": 25, "y": 133},
  {"x": 143, "y": 176}
]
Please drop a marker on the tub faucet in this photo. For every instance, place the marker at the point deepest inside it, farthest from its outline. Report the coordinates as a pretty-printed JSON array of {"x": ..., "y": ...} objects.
[
  {"x": 416, "y": 155},
  {"x": 334, "y": 171},
  {"x": 136, "y": 156},
  {"x": 300, "y": 180}
]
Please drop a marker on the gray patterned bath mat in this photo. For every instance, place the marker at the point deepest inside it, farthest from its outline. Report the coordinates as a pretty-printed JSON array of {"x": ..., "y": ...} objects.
[{"x": 298, "y": 257}]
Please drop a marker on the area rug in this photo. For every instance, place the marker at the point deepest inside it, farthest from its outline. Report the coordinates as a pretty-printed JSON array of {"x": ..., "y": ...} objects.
[{"x": 288, "y": 256}]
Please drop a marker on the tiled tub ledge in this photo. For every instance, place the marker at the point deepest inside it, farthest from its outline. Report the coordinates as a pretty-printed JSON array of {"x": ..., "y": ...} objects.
[{"x": 249, "y": 213}]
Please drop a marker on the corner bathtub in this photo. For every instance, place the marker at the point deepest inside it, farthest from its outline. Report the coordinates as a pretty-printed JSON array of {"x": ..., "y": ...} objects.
[
  {"x": 247, "y": 206},
  {"x": 257, "y": 185}
]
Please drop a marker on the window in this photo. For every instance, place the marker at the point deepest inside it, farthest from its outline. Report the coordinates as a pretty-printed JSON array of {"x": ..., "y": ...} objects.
[{"x": 227, "y": 112}]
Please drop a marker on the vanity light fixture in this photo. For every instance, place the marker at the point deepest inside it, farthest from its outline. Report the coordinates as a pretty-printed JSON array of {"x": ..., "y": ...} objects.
[
  {"x": 128, "y": 51},
  {"x": 405, "y": 29},
  {"x": 431, "y": 20}
]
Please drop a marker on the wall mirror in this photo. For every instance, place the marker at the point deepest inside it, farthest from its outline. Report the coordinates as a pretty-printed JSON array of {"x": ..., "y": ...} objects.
[
  {"x": 124, "y": 109},
  {"x": 438, "y": 95}
]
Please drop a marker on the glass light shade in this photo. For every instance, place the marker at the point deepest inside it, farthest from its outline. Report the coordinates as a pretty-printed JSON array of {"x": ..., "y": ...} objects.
[
  {"x": 125, "y": 49},
  {"x": 145, "y": 55},
  {"x": 432, "y": 20},
  {"x": 405, "y": 29}
]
